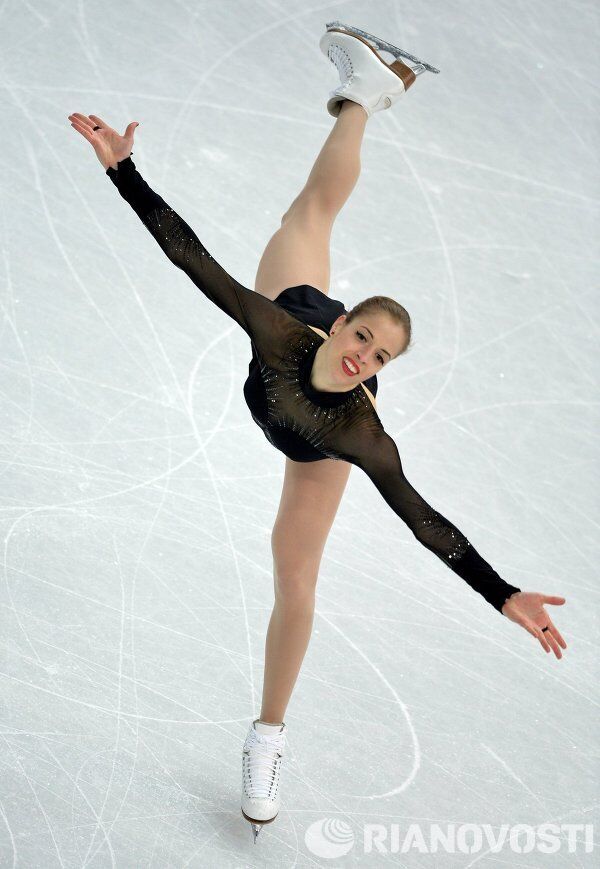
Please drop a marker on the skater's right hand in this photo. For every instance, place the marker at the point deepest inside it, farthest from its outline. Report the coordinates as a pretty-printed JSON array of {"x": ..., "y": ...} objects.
[{"x": 109, "y": 146}]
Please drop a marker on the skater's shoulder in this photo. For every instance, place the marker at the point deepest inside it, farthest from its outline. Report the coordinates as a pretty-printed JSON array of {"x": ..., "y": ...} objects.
[
  {"x": 318, "y": 331},
  {"x": 370, "y": 396}
]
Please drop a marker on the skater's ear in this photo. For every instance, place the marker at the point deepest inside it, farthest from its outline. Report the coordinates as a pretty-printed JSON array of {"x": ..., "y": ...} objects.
[{"x": 337, "y": 324}]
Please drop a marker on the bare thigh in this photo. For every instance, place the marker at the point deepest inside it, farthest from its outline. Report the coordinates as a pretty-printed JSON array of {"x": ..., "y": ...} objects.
[
  {"x": 311, "y": 494},
  {"x": 298, "y": 253}
]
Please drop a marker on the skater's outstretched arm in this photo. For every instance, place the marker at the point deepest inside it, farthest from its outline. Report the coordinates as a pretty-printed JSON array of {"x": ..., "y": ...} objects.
[
  {"x": 368, "y": 446},
  {"x": 264, "y": 321},
  {"x": 185, "y": 250},
  {"x": 381, "y": 462}
]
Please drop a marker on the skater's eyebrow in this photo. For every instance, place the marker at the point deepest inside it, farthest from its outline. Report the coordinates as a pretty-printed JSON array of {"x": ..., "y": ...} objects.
[{"x": 371, "y": 334}]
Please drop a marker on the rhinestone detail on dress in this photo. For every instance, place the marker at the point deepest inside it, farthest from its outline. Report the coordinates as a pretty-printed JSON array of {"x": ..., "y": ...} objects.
[{"x": 454, "y": 544}]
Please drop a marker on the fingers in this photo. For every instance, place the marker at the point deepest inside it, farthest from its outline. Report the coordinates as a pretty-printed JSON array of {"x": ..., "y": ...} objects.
[
  {"x": 547, "y": 638},
  {"x": 555, "y": 633},
  {"x": 536, "y": 632},
  {"x": 86, "y": 132},
  {"x": 553, "y": 643},
  {"x": 83, "y": 120},
  {"x": 541, "y": 636},
  {"x": 99, "y": 121}
]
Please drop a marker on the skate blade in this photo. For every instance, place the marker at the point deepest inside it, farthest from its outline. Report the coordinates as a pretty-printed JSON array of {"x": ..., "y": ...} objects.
[
  {"x": 256, "y": 824},
  {"x": 382, "y": 45}
]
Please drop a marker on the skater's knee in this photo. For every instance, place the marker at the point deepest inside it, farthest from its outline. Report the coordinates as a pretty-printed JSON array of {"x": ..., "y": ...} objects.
[
  {"x": 312, "y": 207},
  {"x": 295, "y": 588}
]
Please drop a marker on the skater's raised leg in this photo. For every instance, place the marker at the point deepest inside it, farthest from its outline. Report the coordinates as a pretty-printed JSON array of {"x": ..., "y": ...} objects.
[
  {"x": 298, "y": 253},
  {"x": 337, "y": 167}
]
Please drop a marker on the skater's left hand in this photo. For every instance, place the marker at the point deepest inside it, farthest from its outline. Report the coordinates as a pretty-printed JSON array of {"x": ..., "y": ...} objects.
[
  {"x": 526, "y": 609},
  {"x": 109, "y": 146}
]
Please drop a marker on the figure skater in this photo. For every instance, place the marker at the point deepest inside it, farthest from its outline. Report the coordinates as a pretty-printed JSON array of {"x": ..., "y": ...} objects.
[{"x": 312, "y": 385}]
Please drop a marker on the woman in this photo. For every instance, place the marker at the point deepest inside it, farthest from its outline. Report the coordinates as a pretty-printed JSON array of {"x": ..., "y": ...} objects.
[{"x": 312, "y": 385}]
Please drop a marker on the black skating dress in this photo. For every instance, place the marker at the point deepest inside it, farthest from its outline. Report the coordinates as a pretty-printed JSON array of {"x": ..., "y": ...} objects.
[{"x": 303, "y": 423}]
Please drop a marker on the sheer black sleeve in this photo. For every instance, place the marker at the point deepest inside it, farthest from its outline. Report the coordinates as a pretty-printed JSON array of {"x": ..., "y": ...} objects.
[
  {"x": 266, "y": 323},
  {"x": 376, "y": 453}
]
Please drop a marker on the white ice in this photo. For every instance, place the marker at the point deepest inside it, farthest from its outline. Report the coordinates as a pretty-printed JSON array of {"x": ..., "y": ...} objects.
[{"x": 138, "y": 496}]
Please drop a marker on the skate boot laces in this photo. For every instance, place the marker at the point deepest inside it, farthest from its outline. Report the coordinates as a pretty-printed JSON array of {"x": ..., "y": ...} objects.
[
  {"x": 342, "y": 60},
  {"x": 262, "y": 763}
]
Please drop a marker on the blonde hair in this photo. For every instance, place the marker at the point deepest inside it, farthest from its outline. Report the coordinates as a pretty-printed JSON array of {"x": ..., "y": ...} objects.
[{"x": 384, "y": 305}]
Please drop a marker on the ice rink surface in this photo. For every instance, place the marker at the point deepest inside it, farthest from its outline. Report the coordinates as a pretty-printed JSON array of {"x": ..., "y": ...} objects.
[{"x": 138, "y": 496}]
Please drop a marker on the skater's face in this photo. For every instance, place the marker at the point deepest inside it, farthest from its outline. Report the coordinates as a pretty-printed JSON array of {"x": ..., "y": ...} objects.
[{"x": 370, "y": 341}]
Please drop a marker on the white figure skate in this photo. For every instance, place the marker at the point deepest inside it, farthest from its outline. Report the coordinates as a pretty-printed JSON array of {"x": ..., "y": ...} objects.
[
  {"x": 365, "y": 77},
  {"x": 261, "y": 770}
]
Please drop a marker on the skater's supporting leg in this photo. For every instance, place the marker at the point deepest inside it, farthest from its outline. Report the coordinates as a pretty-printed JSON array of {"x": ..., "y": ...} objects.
[
  {"x": 310, "y": 497},
  {"x": 287, "y": 640}
]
